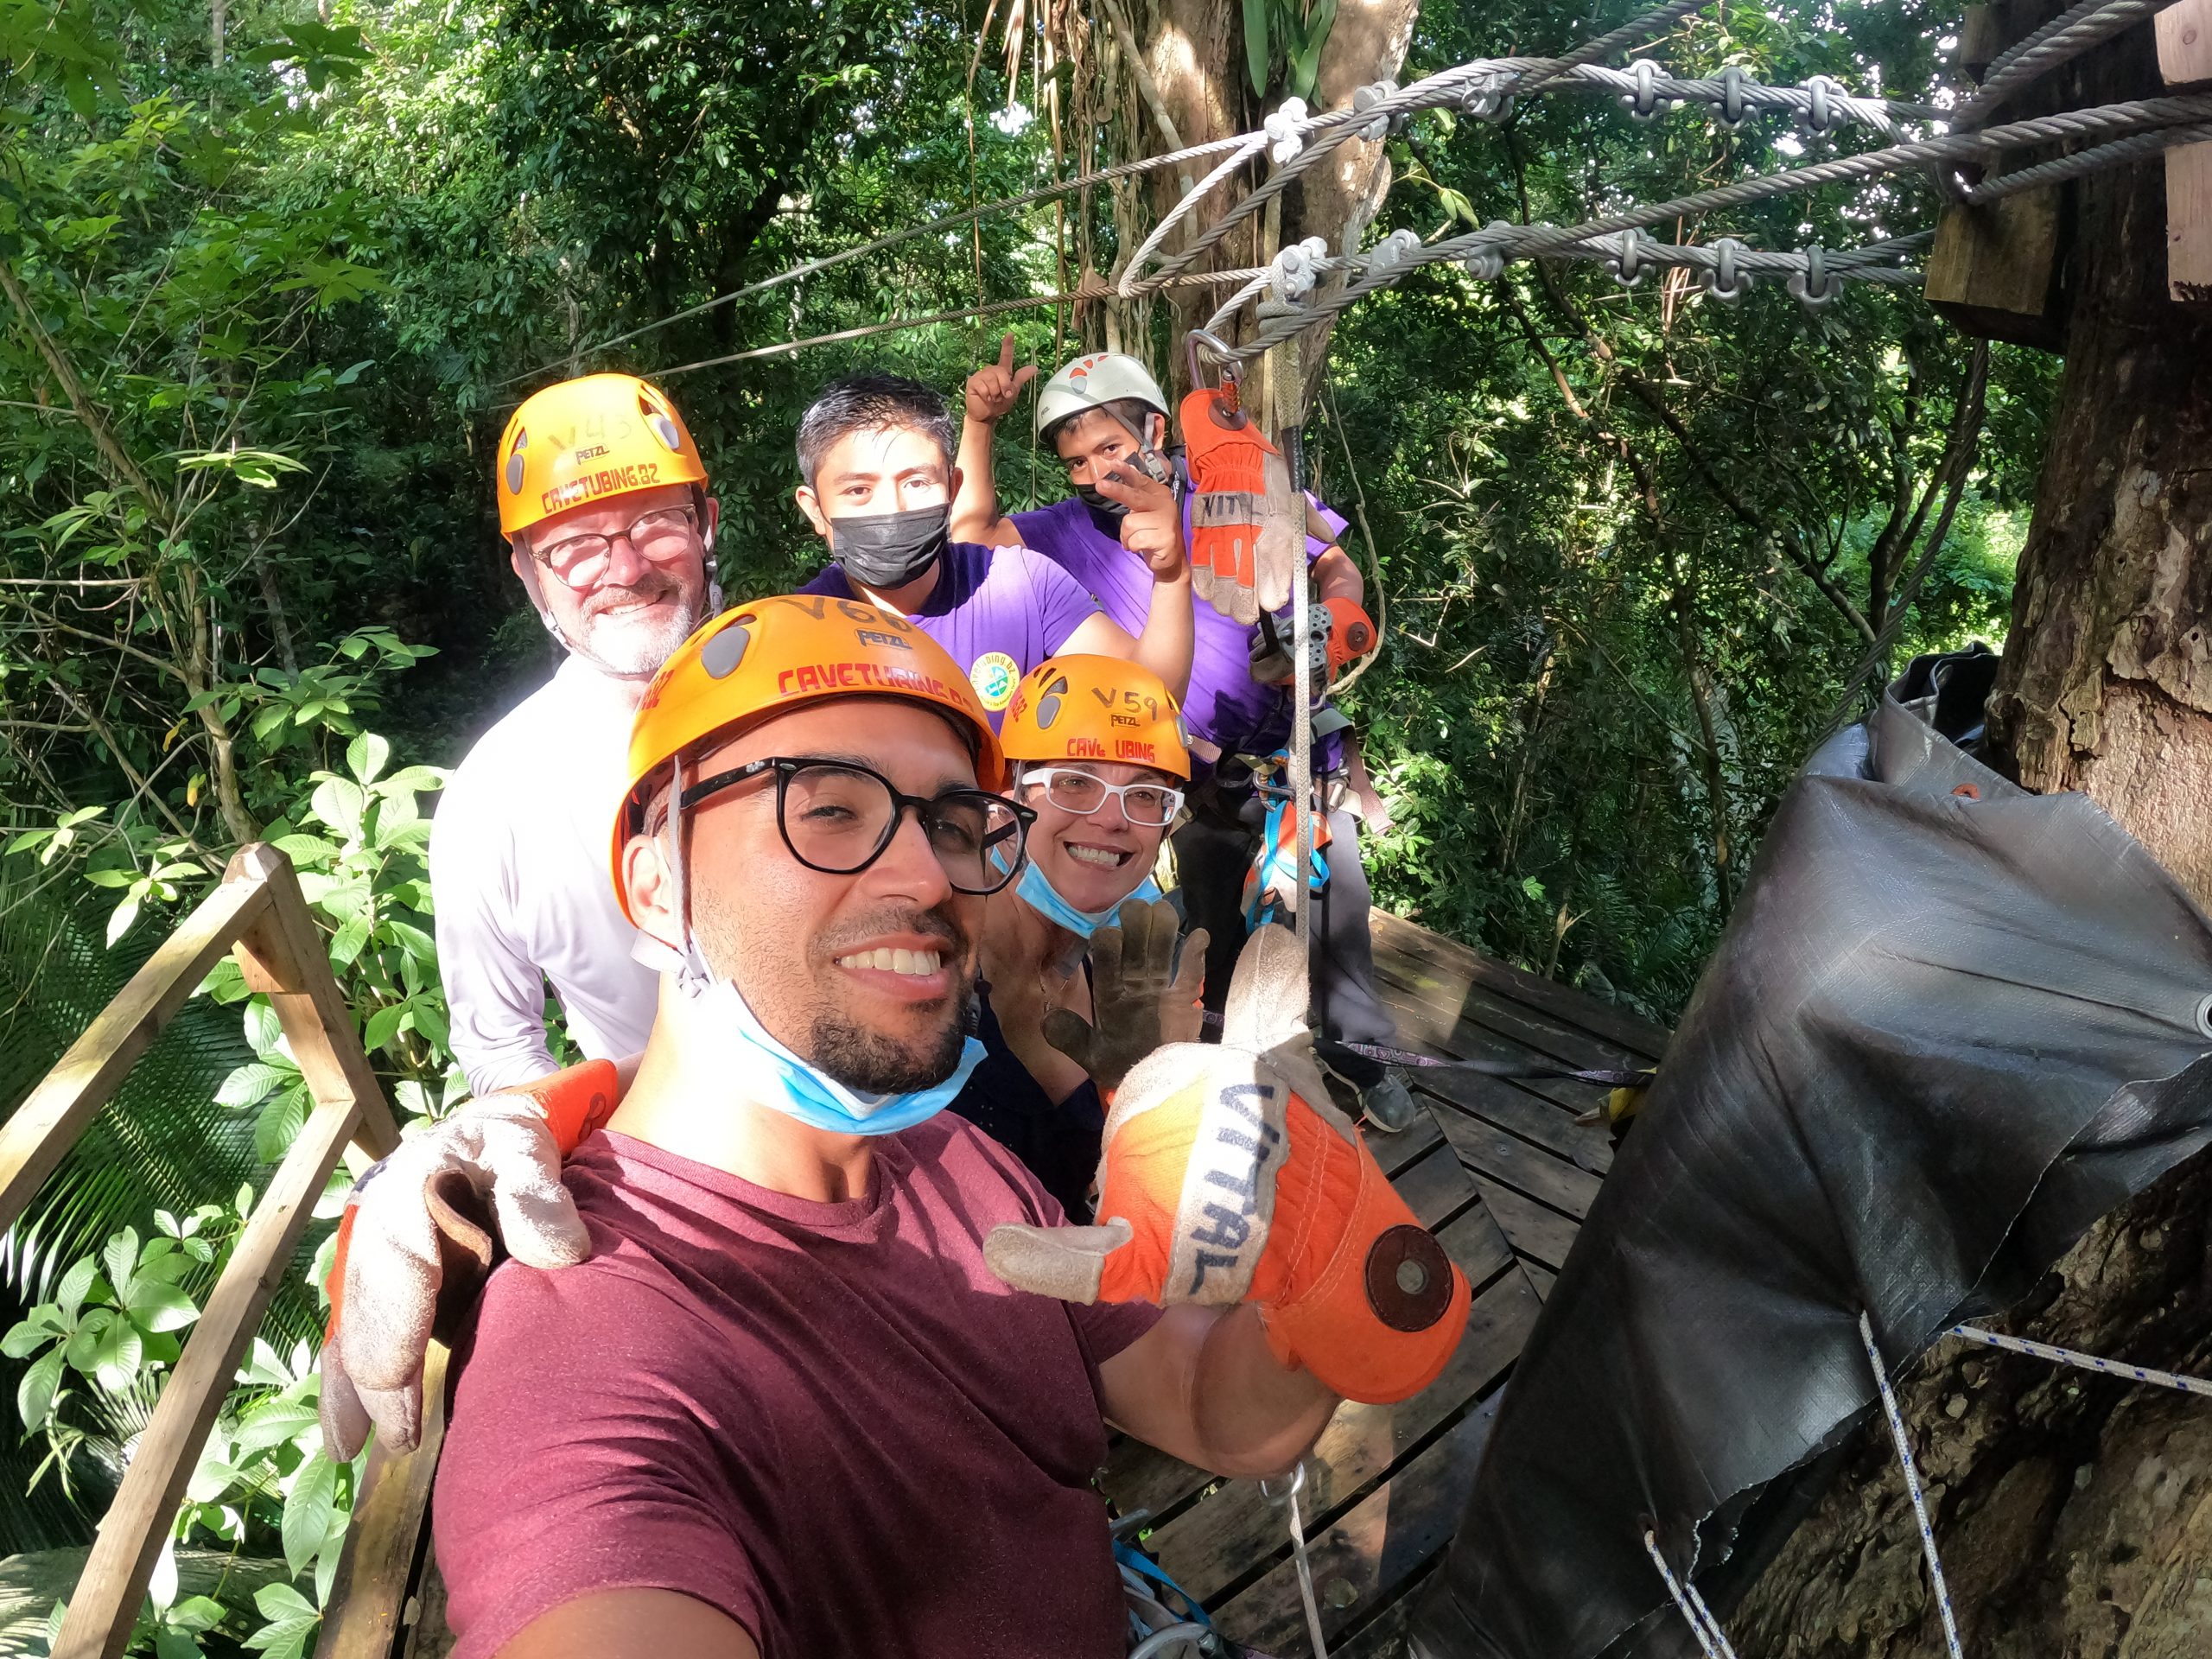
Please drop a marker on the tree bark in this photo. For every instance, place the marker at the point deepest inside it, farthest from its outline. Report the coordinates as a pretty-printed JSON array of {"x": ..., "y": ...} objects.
[{"x": 2074, "y": 1513}]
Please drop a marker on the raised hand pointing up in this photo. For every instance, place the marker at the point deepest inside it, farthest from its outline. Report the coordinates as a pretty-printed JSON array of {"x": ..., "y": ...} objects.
[{"x": 995, "y": 388}]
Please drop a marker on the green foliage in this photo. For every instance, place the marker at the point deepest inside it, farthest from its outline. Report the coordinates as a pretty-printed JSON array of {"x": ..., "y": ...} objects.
[{"x": 97, "y": 1353}]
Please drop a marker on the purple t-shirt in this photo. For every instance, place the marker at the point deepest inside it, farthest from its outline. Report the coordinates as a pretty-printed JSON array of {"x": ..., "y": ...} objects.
[
  {"x": 999, "y": 611},
  {"x": 1225, "y": 705},
  {"x": 831, "y": 1421}
]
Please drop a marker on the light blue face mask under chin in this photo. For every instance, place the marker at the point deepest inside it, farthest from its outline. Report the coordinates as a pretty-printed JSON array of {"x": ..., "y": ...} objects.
[
  {"x": 1040, "y": 895},
  {"x": 784, "y": 1081}
]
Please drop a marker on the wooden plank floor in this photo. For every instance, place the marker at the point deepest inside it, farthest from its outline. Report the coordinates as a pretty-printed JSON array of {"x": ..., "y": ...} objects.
[{"x": 1503, "y": 1173}]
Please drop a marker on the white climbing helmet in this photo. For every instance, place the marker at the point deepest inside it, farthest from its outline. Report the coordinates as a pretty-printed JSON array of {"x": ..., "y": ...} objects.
[{"x": 1094, "y": 380}]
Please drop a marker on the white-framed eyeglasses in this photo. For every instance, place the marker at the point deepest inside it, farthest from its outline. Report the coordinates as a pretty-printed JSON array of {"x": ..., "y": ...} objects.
[{"x": 1073, "y": 790}]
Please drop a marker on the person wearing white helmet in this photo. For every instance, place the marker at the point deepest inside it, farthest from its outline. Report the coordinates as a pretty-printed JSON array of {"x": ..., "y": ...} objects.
[{"x": 1104, "y": 415}]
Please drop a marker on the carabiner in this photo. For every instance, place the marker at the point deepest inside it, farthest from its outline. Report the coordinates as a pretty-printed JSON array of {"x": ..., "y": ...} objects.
[{"x": 1228, "y": 396}]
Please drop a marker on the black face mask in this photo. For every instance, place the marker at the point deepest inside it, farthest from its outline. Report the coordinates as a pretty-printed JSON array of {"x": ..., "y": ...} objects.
[
  {"x": 1098, "y": 504},
  {"x": 885, "y": 550}
]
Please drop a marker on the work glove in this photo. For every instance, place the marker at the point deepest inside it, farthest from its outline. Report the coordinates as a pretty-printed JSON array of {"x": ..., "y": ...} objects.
[
  {"x": 1242, "y": 508},
  {"x": 1138, "y": 999},
  {"x": 420, "y": 1232},
  {"x": 1228, "y": 1177},
  {"x": 1338, "y": 633}
]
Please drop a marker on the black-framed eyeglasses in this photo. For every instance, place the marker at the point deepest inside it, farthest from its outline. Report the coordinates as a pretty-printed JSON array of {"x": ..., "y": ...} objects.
[
  {"x": 838, "y": 818},
  {"x": 661, "y": 537}
]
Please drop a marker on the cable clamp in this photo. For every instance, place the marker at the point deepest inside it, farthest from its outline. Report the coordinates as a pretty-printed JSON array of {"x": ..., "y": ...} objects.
[
  {"x": 1644, "y": 103},
  {"x": 1815, "y": 286},
  {"x": 1393, "y": 250},
  {"x": 1725, "y": 280},
  {"x": 1823, "y": 111},
  {"x": 1487, "y": 263},
  {"x": 1626, "y": 260},
  {"x": 1296, "y": 269},
  {"x": 1285, "y": 139},
  {"x": 1366, "y": 97},
  {"x": 1732, "y": 109}
]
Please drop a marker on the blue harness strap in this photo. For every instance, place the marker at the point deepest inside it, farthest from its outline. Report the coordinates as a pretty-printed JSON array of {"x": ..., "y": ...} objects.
[{"x": 1128, "y": 1555}]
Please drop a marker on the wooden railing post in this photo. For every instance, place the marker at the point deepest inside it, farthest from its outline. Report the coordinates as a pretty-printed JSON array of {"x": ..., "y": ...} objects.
[{"x": 260, "y": 907}]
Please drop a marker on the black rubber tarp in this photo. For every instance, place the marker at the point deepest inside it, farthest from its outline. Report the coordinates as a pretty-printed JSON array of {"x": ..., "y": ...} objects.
[{"x": 1951, "y": 1024}]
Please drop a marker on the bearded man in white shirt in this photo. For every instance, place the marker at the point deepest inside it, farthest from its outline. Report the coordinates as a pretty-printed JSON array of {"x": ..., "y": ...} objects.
[{"x": 603, "y": 500}]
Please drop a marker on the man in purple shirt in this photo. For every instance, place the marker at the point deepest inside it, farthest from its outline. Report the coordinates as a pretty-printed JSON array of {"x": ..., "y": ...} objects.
[
  {"x": 875, "y": 451},
  {"x": 1106, "y": 418}
]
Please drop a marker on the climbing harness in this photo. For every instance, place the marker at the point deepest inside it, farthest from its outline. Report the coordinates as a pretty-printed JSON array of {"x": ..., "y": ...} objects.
[{"x": 1158, "y": 1629}]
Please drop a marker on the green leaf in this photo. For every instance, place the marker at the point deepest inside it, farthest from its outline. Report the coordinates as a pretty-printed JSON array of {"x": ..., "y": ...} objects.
[
  {"x": 284, "y": 1638},
  {"x": 308, "y": 1510},
  {"x": 154, "y": 1306},
  {"x": 251, "y": 1083},
  {"x": 161, "y": 1589},
  {"x": 278, "y": 1126},
  {"x": 178, "y": 1645},
  {"x": 24, "y": 1338},
  {"x": 346, "y": 945},
  {"x": 116, "y": 1360},
  {"x": 34, "y": 1394},
  {"x": 120, "y": 1255},
  {"x": 264, "y": 1031},
  {"x": 120, "y": 918},
  {"x": 282, "y": 1601},
  {"x": 197, "y": 1613},
  {"x": 276, "y": 1422},
  {"x": 1256, "y": 55},
  {"x": 365, "y": 756},
  {"x": 431, "y": 1020},
  {"x": 75, "y": 1286},
  {"x": 411, "y": 939},
  {"x": 384, "y": 1025},
  {"x": 340, "y": 804}
]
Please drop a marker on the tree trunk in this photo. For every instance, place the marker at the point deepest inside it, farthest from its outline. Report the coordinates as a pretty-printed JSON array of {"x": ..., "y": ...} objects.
[{"x": 2074, "y": 1513}]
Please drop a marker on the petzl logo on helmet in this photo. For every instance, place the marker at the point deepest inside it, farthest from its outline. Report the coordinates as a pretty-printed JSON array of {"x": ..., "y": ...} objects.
[
  {"x": 720, "y": 655},
  {"x": 514, "y": 463},
  {"x": 1048, "y": 706},
  {"x": 994, "y": 675}
]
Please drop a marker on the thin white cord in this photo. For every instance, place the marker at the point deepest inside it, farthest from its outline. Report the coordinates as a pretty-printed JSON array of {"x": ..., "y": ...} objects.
[
  {"x": 1912, "y": 1487},
  {"x": 1712, "y": 1640}
]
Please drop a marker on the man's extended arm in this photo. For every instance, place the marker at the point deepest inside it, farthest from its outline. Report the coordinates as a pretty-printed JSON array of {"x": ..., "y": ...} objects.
[
  {"x": 1201, "y": 1385},
  {"x": 632, "y": 1624},
  {"x": 992, "y": 390}
]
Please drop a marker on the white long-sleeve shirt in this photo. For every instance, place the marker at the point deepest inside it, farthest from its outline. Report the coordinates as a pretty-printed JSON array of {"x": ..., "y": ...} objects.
[{"x": 519, "y": 877}]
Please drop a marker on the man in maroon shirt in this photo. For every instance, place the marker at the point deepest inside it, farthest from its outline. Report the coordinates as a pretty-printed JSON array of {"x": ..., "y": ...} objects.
[{"x": 785, "y": 1408}]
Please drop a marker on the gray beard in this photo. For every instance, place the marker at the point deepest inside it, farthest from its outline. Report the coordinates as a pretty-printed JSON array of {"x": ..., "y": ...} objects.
[{"x": 633, "y": 652}]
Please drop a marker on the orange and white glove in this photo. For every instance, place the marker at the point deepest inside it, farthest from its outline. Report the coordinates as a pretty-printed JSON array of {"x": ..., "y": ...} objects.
[
  {"x": 420, "y": 1232},
  {"x": 1229, "y": 1176},
  {"x": 1246, "y": 526}
]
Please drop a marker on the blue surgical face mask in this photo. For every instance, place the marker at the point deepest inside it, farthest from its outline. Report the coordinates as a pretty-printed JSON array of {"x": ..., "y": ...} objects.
[
  {"x": 1045, "y": 899},
  {"x": 782, "y": 1080}
]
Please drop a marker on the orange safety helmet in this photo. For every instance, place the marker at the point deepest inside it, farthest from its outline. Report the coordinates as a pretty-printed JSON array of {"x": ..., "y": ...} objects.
[
  {"x": 1082, "y": 708},
  {"x": 781, "y": 654},
  {"x": 586, "y": 440}
]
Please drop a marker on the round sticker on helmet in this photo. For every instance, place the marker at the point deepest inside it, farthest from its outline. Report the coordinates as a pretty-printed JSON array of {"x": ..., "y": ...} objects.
[{"x": 994, "y": 675}]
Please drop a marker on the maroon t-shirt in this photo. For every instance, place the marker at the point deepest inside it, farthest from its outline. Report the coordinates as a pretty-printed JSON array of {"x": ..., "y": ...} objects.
[{"x": 831, "y": 1421}]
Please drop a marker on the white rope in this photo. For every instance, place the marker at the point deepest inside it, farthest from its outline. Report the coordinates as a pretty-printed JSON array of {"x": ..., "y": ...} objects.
[
  {"x": 1712, "y": 1640},
  {"x": 1943, "y": 1590},
  {"x": 2058, "y": 1355},
  {"x": 1305, "y": 1566}
]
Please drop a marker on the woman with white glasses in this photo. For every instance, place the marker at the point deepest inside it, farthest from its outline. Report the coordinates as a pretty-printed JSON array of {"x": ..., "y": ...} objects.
[{"x": 1100, "y": 755}]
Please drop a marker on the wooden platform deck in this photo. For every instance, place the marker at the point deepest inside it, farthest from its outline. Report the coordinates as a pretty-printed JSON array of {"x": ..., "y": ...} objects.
[{"x": 1503, "y": 1174}]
